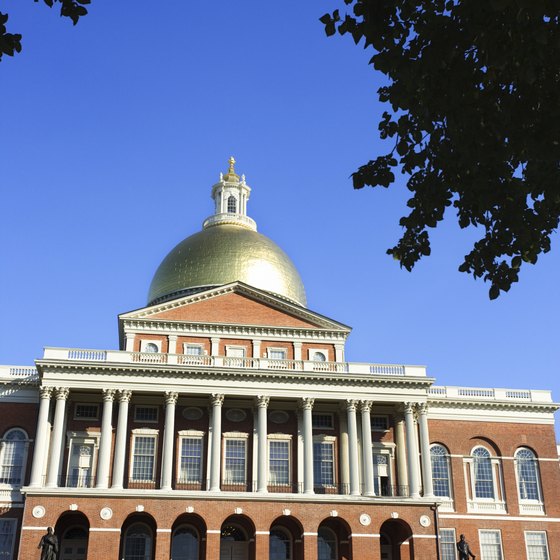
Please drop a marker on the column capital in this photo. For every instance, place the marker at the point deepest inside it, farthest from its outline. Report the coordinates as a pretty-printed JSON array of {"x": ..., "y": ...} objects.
[
  {"x": 422, "y": 408},
  {"x": 45, "y": 392},
  {"x": 408, "y": 407},
  {"x": 215, "y": 339},
  {"x": 171, "y": 397},
  {"x": 306, "y": 403},
  {"x": 62, "y": 393},
  {"x": 172, "y": 337},
  {"x": 217, "y": 400},
  {"x": 297, "y": 344},
  {"x": 108, "y": 395},
  {"x": 130, "y": 335},
  {"x": 351, "y": 404},
  {"x": 124, "y": 395},
  {"x": 262, "y": 401},
  {"x": 365, "y": 406}
]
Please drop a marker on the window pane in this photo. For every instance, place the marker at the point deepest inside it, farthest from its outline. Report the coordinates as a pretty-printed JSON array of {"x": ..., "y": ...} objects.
[
  {"x": 143, "y": 461},
  {"x": 235, "y": 461},
  {"x": 280, "y": 546},
  {"x": 491, "y": 545},
  {"x": 440, "y": 471},
  {"x": 536, "y": 545},
  {"x": 279, "y": 462},
  {"x": 447, "y": 544},
  {"x": 483, "y": 480},
  {"x": 326, "y": 545},
  {"x": 277, "y": 354},
  {"x": 527, "y": 475},
  {"x": 13, "y": 455},
  {"x": 185, "y": 544},
  {"x": 323, "y": 465},
  {"x": 191, "y": 460},
  {"x": 138, "y": 543},
  {"x": 7, "y": 533}
]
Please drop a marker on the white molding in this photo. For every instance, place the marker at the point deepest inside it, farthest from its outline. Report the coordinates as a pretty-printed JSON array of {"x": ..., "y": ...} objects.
[{"x": 499, "y": 518}]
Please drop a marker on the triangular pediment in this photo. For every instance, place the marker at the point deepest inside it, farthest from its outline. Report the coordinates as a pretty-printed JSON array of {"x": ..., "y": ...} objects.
[{"x": 239, "y": 304}]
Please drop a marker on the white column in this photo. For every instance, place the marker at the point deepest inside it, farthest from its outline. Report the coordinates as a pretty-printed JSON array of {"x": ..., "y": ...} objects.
[
  {"x": 402, "y": 474},
  {"x": 41, "y": 437},
  {"x": 120, "y": 444},
  {"x": 129, "y": 347},
  {"x": 256, "y": 348},
  {"x": 367, "y": 447},
  {"x": 215, "y": 346},
  {"x": 172, "y": 344},
  {"x": 353, "y": 447},
  {"x": 168, "y": 440},
  {"x": 343, "y": 461},
  {"x": 217, "y": 401},
  {"x": 53, "y": 472},
  {"x": 427, "y": 484},
  {"x": 339, "y": 352},
  {"x": 307, "y": 407},
  {"x": 412, "y": 458},
  {"x": 262, "y": 477},
  {"x": 104, "y": 460},
  {"x": 297, "y": 350}
]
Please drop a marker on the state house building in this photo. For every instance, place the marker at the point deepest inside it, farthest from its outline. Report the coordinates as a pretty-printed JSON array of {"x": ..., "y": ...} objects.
[{"x": 229, "y": 425}]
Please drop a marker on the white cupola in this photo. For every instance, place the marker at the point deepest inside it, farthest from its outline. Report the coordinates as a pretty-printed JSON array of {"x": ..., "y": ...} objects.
[{"x": 230, "y": 195}]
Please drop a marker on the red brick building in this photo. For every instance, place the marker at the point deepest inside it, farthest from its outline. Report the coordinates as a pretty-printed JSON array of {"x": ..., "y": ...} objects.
[{"x": 229, "y": 425}]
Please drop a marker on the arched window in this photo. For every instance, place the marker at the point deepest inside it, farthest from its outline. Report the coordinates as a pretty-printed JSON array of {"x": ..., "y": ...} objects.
[
  {"x": 13, "y": 457},
  {"x": 74, "y": 543},
  {"x": 326, "y": 544},
  {"x": 527, "y": 475},
  {"x": 280, "y": 545},
  {"x": 185, "y": 543},
  {"x": 483, "y": 477},
  {"x": 151, "y": 347},
  {"x": 231, "y": 204},
  {"x": 319, "y": 357},
  {"x": 440, "y": 470},
  {"x": 138, "y": 542}
]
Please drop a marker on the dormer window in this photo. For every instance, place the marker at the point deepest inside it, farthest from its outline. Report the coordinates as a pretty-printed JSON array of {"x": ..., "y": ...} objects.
[{"x": 231, "y": 204}]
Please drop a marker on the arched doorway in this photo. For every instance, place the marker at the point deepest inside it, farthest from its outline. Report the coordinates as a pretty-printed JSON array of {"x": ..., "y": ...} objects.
[
  {"x": 72, "y": 530},
  {"x": 188, "y": 538},
  {"x": 138, "y": 538},
  {"x": 395, "y": 532},
  {"x": 285, "y": 539},
  {"x": 237, "y": 541},
  {"x": 333, "y": 540}
]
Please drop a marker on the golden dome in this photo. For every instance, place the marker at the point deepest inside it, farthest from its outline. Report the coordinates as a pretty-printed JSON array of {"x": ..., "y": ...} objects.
[{"x": 222, "y": 254}]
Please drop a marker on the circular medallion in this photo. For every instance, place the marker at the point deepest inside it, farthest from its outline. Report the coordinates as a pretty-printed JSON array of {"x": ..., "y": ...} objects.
[
  {"x": 192, "y": 413},
  {"x": 365, "y": 519},
  {"x": 38, "y": 512},
  {"x": 425, "y": 521},
  {"x": 235, "y": 415},
  {"x": 106, "y": 513},
  {"x": 278, "y": 416}
]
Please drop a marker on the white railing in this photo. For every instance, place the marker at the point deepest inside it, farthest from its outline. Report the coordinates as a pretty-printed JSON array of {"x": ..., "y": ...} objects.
[
  {"x": 482, "y": 393},
  {"x": 531, "y": 509},
  {"x": 474, "y": 506},
  {"x": 20, "y": 372},
  {"x": 118, "y": 356}
]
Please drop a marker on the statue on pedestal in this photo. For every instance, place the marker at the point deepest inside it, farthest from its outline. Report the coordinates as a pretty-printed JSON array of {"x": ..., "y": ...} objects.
[
  {"x": 49, "y": 545},
  {"x": 464, "y": 549}
]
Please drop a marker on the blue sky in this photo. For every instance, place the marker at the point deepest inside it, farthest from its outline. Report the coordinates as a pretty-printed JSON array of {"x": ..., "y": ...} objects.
[{"x": 114, "y": 131}]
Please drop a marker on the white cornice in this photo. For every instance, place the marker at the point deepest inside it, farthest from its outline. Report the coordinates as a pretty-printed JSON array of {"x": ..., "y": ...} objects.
[{"x": 453, "y": 409}]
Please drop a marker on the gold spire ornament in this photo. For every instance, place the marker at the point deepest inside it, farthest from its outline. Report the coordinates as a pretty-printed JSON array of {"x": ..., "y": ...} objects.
[{"x": 231, "y": 175}]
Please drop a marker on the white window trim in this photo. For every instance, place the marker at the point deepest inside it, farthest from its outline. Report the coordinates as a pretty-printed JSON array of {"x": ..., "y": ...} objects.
[
  {"x": 84, "y": 418},
  {"x": 142, "y": 421},
  {"x": 387, "y": 449},
  {"x": 190, "y": 434},
  {"x": 144, "y": 343},
  {"x": 322, "y": 438},
  {"x": 545, "y": 542},
  {"x": 448, "y": 502},
  {"x": 480, "y": 531},
  {"x": 452, "y": 529},
  {"x": 529, "y": 507},
  {"x": 276, "y": 349},
  {"x": 281, "y": 437},
  {"x": 311, "y": 353},
  {"x": 235, "y": 436},
  {"x": 83, "y": 438},
  {"x": 485, "y": 505},
  {"x": 25, "y": 457},
  {"x": 142, "y": 432},
  {"x": 192, "y": 345},
  {"x": 236, "y": 347}
]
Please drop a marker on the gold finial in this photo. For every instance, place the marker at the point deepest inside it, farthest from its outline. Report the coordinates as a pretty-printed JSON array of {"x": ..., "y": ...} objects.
[{"x": 231, "y": 175}]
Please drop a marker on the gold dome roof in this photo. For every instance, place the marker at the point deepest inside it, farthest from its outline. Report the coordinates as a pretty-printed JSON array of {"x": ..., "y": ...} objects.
[{"x": 222, "y": 254}]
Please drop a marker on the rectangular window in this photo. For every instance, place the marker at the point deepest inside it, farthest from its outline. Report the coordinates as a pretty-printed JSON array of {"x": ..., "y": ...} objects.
[
  {"x": 193, "y": 349},
  {"x": 7, "y": 537},
  {"x": 447, "y": 544},
  {"x": 323, "y": 421},
  {"x": 145, "y": 413},
  {"x": 537, "y": 547},
  {"x": 80, "y": 465},
  {"x": 323, "y": 463},
  {"x": 279, "y": 462},
  {"x": 144, "y": 458},
  {"x": 86, "y": 411},
  {"x": 190, "y": 468},
  {"x": 235, "y": 351},
  {"x": 235, "y": 461},
  {"x": 490, "y": 545},
  {"x": 381, "y": 474},
  {"x": 276, "y": 353},
  {"x": 380, "y": 423}
]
